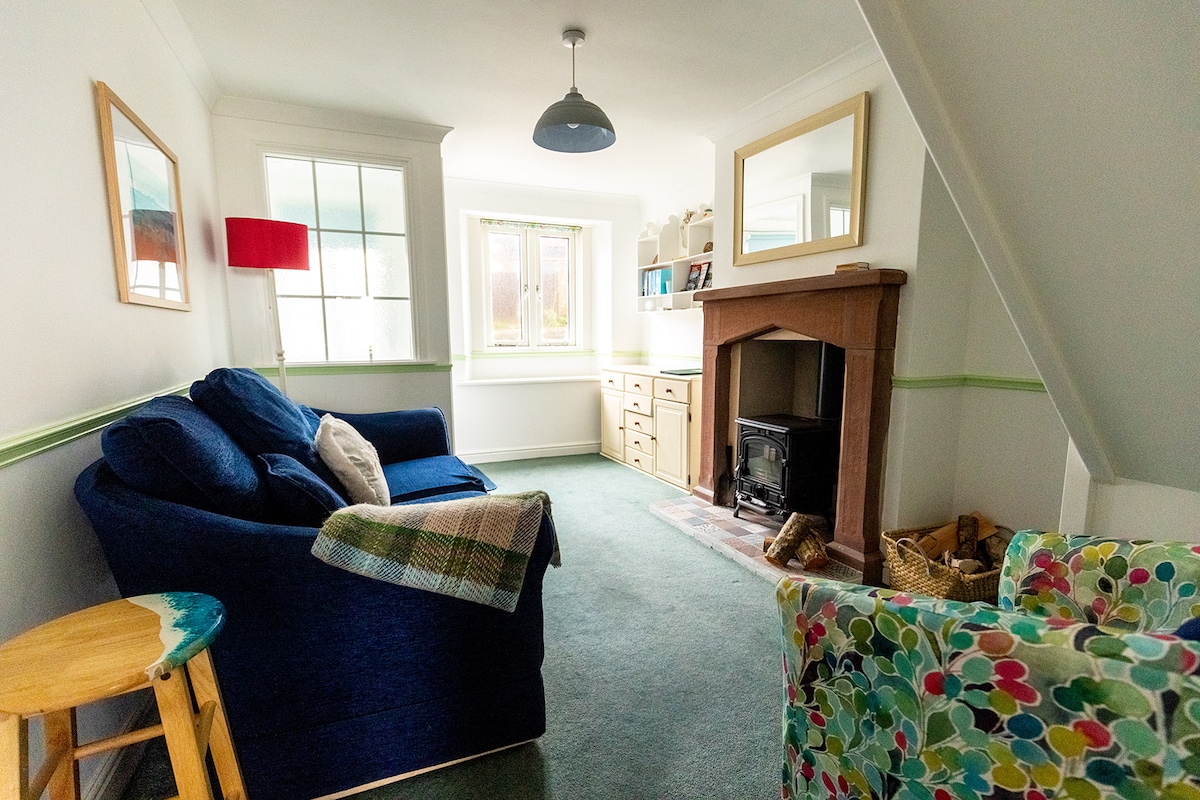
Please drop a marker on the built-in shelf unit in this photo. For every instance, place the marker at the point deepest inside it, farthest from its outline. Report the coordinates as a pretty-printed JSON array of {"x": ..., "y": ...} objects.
[{"x": 666, "y": 278}]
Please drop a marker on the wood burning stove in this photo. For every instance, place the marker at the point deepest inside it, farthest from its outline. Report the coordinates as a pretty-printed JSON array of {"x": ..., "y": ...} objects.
[{"x": 787, "y": 463}]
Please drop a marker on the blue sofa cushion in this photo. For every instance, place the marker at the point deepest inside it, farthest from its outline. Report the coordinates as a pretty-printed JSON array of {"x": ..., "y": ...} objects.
[
  {"x": 424, "y": 477},
  {"x": 260, "y": 418},
  {"x": 1189, "y": 630},
  {"x": 299, "y": 496},
  {"x": 171, "y": 449}
]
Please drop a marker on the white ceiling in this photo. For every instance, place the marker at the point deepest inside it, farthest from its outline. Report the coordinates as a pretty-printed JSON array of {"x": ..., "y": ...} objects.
[{"x": 664, "y": 72}]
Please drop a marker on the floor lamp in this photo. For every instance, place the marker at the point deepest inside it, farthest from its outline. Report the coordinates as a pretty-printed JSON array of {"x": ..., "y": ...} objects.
[{"x": 268, "y": 244}]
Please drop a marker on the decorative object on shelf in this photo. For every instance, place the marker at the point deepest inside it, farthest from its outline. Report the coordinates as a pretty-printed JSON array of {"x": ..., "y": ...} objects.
[
  {"x": 574, "y": 125},
  {"x": 268, "y": 244},
  {"x": 145, "y": 208},
  {"x": 708, "y": 247},
  {"x": 853, "y": 266}
]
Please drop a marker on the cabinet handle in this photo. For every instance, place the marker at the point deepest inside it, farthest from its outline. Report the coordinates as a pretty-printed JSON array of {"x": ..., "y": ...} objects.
[{"x": 670, "y": 391}]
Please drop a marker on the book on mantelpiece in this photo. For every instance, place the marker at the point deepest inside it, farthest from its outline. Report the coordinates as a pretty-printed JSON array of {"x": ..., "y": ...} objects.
[{"x": 853, "y": 266}]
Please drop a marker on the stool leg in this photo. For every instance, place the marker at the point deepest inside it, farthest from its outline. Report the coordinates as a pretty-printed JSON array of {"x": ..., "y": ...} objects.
[
  {"x": 14, "y": 756},
  {"x": 178, "y": 721},
  {"x": 61, "y": 737},
  {"x": 204, "y": 684}
]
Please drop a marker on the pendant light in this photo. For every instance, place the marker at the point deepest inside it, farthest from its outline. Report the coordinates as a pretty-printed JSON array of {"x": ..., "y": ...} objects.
[{"x": 574, "y": 125}]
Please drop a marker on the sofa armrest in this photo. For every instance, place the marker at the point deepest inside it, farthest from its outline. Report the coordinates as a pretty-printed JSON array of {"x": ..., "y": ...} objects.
[
  {"x": 886, "y": 690},
  {"x": 402, "y": 435},
  {"x": 1135, "y": 585}
]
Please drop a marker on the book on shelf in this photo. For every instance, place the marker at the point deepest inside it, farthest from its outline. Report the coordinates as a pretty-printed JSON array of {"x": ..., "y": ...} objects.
[
  {"x": 695, "y": 277},
  {"x": 853, "y": 266},
  {"x": 706, "y": 275}
]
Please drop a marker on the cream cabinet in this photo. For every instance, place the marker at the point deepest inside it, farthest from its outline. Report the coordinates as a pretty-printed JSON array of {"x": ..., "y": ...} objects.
[{"x": 651, "y": 422}]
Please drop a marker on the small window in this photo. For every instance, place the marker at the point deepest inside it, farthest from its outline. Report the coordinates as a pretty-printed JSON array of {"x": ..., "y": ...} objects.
[
  {"x": 529, "y": 272},
  {"x": 355, "y": 302}
]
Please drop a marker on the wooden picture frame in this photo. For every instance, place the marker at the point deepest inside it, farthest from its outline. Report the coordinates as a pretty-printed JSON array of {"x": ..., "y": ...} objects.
[{"x": 145, "y": 208}]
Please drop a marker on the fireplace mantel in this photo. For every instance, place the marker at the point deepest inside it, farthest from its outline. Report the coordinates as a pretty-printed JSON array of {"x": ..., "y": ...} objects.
[{"x": 853, "y": 310}]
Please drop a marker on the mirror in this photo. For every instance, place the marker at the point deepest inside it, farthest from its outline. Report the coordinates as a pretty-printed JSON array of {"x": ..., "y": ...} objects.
[
  {"x": 801, "y": 190},
  {"x": 144, "y": 207}
]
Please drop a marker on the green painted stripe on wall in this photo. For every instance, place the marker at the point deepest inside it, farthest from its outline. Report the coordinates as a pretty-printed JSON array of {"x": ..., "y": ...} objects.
[
  {"x": 480, "y": 354},
  {"x": 29, "y": 444},
  {"x": 976, "y": 381},
  {"x": 353, "y": 369}
]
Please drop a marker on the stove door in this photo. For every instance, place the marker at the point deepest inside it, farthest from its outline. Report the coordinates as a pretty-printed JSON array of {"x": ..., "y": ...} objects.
[{"x": 762, "y": 460}]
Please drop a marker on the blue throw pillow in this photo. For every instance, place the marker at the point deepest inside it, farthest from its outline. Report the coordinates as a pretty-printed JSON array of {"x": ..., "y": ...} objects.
[
  {"x": 300, "y": 497},
  {"x": 435, "y": 475},
  {"x": 260, "y": 418},
  {"x": 1190, "y": 629},
  {"x": 171, "y": 449}
]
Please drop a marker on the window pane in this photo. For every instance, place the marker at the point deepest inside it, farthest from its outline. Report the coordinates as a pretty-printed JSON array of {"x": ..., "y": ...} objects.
[
  {"x": 343, "y": 264},
  {"x": 387, "y": 265},
  {"x": 504, "y": 271},
  {"x": 337, "y": 196},
  {"x": 290, "y": 189},
  {"x": 299, "y": 281},
  {"x": 300, "y": 322},
  {"x": 369, "y": 330},
  {"x": 383, "y": 200},
  {"x": 555, "y": 289}
]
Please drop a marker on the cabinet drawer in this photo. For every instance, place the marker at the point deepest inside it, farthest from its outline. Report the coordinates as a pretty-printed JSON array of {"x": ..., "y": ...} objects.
[
  {"x": 639, "y": 384},
  {"x": 612, "y": 380},
  {"x": 639, "y": 441},
  {"x": 671, "y": 389},
  {"x": 638, "y": 404},
  {"x": 639, "y": 423},
  {"x": 636, "y": 458}
]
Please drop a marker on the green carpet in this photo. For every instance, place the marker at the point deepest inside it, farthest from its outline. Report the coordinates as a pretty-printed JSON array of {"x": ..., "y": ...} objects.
[{"x": 662, "y": 665}]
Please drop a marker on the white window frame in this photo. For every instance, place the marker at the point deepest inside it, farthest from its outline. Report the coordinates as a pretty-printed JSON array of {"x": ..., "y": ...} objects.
[
  {"x": 405, "y": 166},
  {"x": 529, "y": 230}
]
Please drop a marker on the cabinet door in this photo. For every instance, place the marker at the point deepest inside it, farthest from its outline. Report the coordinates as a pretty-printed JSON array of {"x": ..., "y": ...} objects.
[
  {"x": 671, "y": 442},
  {"x": 611, "y": 432}
]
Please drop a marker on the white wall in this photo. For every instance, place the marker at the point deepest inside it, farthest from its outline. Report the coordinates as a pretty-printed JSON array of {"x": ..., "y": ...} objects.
[
  {"x": 530, "y": 405},
  {"x": 243, "y": 132},
  {"x": 69, "y": 347}
]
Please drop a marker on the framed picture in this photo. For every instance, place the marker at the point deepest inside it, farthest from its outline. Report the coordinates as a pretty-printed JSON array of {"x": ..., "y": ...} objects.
[
  {"x": 694, "y": 278},
  {"x": 144, "y": 206}
]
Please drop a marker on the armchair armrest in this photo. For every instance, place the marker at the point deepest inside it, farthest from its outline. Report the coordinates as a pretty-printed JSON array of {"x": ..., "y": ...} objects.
[
  {"x": 894, "y": 695},
  {"x": 402, "y": 435},
  {"x": 1135, "y": 585}
]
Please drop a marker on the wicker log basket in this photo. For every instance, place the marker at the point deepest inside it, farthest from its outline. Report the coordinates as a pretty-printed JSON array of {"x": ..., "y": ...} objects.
[{"x": 912, "y": 571}]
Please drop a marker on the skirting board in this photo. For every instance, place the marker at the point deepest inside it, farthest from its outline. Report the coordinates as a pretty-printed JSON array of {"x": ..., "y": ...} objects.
[
  {"x": 520, "y": 454},
  {"x": 416, "y": 772}
]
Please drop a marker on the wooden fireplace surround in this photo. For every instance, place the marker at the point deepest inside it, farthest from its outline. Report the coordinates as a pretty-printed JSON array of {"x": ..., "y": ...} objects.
[{"x": 853, "y": 310}]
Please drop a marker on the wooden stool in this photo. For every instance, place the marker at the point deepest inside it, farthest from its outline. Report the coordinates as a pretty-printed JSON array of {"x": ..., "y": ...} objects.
[{"x": 157, "y": 641}]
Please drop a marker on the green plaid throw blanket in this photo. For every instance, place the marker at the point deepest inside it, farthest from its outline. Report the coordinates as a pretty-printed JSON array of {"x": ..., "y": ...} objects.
[{"x": 475, "y": 548}]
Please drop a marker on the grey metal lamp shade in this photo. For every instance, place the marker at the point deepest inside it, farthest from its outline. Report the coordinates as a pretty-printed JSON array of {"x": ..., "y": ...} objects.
[{"x": 574, "y": 125}]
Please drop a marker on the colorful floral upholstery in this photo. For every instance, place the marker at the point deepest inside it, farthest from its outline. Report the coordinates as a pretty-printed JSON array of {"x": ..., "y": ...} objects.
[
  {"x": 1131, "y": 585},
  {"x": 894, "y": 695}
]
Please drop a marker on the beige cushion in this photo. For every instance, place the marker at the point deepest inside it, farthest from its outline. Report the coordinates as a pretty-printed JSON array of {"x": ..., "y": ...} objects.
[{"x": 353, "y": 460}]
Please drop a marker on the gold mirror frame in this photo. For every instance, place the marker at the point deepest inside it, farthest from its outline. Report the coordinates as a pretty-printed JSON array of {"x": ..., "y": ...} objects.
[
  {"x": 855, "y": 107},
  {"x": 145, "y": 208}
]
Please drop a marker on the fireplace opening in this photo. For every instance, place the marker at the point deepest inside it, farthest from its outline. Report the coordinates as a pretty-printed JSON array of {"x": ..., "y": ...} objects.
[{"x": 787, "y": 416}]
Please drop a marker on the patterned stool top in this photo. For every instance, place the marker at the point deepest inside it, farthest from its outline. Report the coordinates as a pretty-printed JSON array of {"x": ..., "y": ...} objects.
[{"x": 105, "y": 650}]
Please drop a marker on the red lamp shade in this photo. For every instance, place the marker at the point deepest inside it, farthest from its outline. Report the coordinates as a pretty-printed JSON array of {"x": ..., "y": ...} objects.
[
  {"x": 266, "y": 243},
  {"x": 153, "y": 235}
]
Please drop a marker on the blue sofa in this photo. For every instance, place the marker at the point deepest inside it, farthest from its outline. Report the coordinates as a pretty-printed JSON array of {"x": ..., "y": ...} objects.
[{"x": 330, "y": 680}]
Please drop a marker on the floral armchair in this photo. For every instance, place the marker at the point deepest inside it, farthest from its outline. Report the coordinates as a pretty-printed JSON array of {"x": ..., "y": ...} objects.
[{"x": 1075, "y": 687}]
